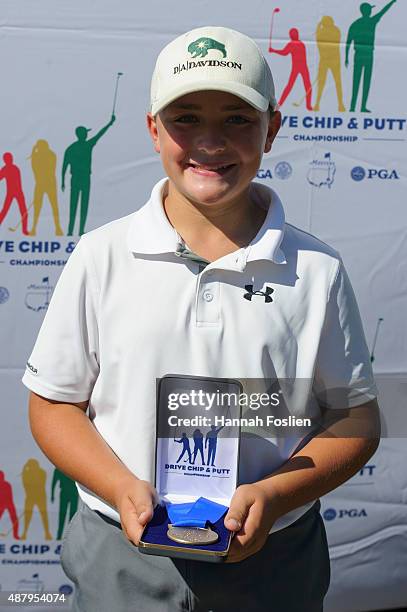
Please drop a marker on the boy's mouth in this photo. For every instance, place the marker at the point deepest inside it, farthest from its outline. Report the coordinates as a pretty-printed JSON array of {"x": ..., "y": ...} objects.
[{"x": 210, "y": 169}]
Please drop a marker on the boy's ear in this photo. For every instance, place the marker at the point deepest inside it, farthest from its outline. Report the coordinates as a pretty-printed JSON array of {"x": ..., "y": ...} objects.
[
  {"x": 272, "y": 131},
  {"x": 152, "y": 128}
]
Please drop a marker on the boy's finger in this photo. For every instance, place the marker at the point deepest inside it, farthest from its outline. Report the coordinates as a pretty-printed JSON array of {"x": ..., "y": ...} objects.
[
  {"x": 150, "y": 493},
  {"x": 144, "y": 503},
  {"x": 134, "y": 532},
  {"x": 134, "y": 519}
]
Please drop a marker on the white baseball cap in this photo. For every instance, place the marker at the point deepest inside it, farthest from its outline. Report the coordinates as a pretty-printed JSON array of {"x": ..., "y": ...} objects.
[{"x": 212, "y": 58}]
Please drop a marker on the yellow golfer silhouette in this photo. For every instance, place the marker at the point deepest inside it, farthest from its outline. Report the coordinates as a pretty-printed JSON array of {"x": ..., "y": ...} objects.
[
  {"x": 328, "y": 37},
  {"x": 34, "y": 479},
  {"x": 43, "y": 163}
]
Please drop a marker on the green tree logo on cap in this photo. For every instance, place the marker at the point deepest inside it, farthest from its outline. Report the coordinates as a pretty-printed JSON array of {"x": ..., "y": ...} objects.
[{"x": 200, "y": 47}]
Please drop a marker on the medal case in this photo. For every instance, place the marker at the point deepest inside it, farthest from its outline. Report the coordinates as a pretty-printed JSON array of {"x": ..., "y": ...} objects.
[{"x": 178, "y": 480}]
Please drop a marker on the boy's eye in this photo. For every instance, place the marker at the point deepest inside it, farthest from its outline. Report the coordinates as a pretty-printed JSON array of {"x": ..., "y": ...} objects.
[
  {"x": 186, "y": 119},
  {"x": 237, "y": 119}
]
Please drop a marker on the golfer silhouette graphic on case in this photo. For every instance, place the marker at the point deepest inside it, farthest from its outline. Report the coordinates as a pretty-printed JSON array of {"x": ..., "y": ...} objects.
[
  {"x": 211, "y": 442},
  {"x": 184, "y": 440},
  {"x": 198, "y": 446}
]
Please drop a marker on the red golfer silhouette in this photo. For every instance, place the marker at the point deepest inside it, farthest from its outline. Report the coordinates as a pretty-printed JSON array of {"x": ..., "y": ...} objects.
[
  {"x": 12, "y": 175},
  {"x": 297, "y": 50},
  {"x": 7, "y": 503}
]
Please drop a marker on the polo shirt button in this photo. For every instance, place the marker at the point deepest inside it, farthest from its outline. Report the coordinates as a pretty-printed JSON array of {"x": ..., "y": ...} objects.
[{"x": 208, "y": 297}]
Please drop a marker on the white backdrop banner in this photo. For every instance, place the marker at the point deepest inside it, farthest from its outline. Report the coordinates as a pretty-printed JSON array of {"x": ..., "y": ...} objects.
[{"x": 338, "y": 164}]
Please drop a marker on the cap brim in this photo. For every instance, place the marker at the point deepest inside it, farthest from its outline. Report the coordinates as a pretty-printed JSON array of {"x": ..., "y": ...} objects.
[{"x": 244, "y": 92}]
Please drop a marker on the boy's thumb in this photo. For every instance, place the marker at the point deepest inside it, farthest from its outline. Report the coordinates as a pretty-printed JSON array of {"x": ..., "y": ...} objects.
[
  {"x": 236, "y": 514},
  {"x": 144, "y": 510}
]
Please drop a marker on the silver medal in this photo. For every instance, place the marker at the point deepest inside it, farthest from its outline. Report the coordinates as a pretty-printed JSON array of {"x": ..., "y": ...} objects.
[{"x": 192, "y": 535}]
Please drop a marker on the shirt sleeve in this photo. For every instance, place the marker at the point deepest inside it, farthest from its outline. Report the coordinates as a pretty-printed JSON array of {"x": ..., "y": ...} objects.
[
  {"x": 64, "y": 363},
  {"x": 343, "y": 374}
]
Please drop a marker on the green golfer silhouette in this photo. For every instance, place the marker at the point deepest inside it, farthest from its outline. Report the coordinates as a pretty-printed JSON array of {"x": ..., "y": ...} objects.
[
  {"x": 68, "y": 498},
  {"x": 362, "y": 34},
  {"x": 79, "y": 157}
]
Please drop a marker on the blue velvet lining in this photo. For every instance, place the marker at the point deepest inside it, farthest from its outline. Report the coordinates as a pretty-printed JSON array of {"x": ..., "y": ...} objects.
[
  {"x": 156, "y": 533},
  {"x": 195, "y": 514}
]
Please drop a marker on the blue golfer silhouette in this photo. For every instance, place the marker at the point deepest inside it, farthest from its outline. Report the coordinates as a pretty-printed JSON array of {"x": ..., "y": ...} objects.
[
  {"x": 198, "y": 445},
  {"x": 185, "y": 447},
  {"x": 211, "y": 441}
]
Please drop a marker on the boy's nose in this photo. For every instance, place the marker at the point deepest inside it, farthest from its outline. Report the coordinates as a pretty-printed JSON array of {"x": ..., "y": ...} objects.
[{"x": 211, "y": 143}]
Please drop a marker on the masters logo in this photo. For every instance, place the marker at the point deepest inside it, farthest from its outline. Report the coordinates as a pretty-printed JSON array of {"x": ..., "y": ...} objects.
[
  {"x": 4, "y": 295},
  {"x": 322, "y": 172},
  {"x": 200, "y": 48}
]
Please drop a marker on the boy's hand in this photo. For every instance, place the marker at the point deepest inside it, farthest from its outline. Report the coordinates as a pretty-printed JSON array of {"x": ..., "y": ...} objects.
[
  {"x": 251, "y": 515},
  {"x": 135, "y": 502}
]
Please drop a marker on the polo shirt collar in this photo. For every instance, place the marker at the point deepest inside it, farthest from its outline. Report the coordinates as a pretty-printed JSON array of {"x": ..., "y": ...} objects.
[
  {"x": 151, "y": 232},
  {"x": 267, "y": 242}
]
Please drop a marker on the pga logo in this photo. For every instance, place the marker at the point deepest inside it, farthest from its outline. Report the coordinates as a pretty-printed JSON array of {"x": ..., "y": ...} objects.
[
  {"x": 282, "y": 170},
  {"x": 330, "y": 513},
  {"x": 264, "y": 173},
  {"x": 358, "y": 173},
  {"x": 367, "y": 470}
]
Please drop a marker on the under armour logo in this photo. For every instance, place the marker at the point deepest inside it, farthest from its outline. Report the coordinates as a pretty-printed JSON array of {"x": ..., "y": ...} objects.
[{"x": 267, "y": 293}]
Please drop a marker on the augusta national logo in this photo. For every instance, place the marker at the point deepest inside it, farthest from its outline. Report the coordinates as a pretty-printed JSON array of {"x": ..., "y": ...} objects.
[
  {"x": 4, "y": 295},
  {"x": 38, "y": 296},
  {"x": 322, "y": 172},
  {"x": 199, "y": 48}
]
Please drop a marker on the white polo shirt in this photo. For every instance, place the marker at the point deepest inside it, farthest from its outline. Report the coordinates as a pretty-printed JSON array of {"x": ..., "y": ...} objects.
[{"x": 127, "y": 310}]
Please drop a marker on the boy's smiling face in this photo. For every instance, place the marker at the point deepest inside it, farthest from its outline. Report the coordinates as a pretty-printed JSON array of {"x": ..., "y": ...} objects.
[{"x": 211, "y": 144}]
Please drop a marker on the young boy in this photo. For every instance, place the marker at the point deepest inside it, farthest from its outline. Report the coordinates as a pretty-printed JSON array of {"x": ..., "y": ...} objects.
[{"x": 205, "y": 279}]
